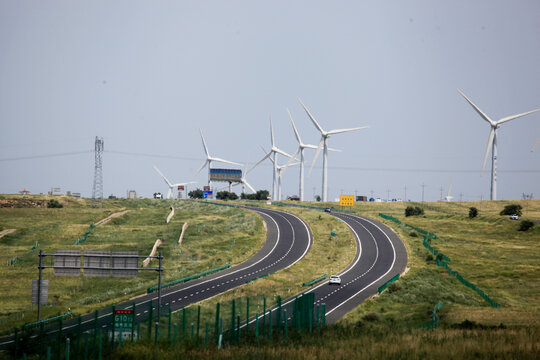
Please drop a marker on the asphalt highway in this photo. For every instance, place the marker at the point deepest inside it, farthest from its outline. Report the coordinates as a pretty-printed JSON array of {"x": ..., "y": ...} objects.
[
  {"x": 288, "y": 241},
  {"x": 380, "y": 255}
]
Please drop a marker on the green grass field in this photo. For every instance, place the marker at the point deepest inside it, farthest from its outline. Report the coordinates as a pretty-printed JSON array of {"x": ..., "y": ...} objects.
[{"x": 215, "y": 236}]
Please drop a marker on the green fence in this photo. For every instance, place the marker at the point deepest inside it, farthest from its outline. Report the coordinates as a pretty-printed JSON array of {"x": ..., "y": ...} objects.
[
  {"x": 314, "y": 281},
  {"x": 385, "y": 285},
  {"x": 85, "y": 236},
  {"x": 188, "y": 278},
  {"x": 441, "y": 259},
  {"x": 434, "y": 322}
]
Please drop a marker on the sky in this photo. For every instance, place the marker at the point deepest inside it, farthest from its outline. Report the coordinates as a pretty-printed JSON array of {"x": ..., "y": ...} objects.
[{"x": 146, "y": 76}]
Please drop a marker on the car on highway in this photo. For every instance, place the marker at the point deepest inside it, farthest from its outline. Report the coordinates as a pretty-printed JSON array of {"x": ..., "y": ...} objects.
[
  {"x": 334, "y": 279},
  {"x": 327, "y": 210},
  {"x": 514, "y": 217}
]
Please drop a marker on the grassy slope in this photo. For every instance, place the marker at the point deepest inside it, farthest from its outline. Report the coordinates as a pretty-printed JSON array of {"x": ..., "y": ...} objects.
[{"x": 214, "y": 237}]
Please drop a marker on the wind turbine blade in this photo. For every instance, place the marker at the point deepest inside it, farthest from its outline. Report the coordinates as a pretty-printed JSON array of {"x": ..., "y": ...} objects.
[
  {"x": 260, "y": 161},
  {"x": 332, "y": 149},
  {"x": 508, "y": 118},
  {"x": 249, "y": 186},
  {"x": 490, "y": 141},
  {"x": 204, "y": 144},
  {"x": 535, "y": 145},
  {"x": 163, "y": 176},
  {"x": 183, "y": 184},
  {"x": 309, "y": 146},
  {"x": 312, "y": 118},
  {"x": 225, "y": 161},
  {"x": 484, "y": 116},
  {"x": 338, "y": 131},
  {"x": 271, "y": 132},
  {"x": 279, "y": 151},
  {"x": 294, "y": 128},
  {"x": 316, "y": 155},
  {"x": 200, "y": 169},
  {"x": 293, "y": 157}
]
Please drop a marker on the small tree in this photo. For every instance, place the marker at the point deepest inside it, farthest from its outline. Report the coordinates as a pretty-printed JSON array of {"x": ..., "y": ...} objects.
[
  {"x": 196, "y": 194},
  {"x": 318, "y": 198},
  {"x": 525, "y": 225},
  {"x": 512, "y": 209},
  {"x": 414, "y": 211},
  {"x": 473, "y": 212}
]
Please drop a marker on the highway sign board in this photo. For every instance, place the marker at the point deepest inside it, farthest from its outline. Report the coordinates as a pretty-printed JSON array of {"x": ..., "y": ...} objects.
[
  {"x": 233, "y": 175},
  {"x": 181, "y": 187},
  {"x": 346, "y": 200},
  {"x": 99, "y": 259},
  {"x": 67, "y": 262},
  {"x": 44, "y": 297},
  {"x": 206, "y": 188},
  {"x": 123, "y": 320},
  {"x": 207, "y": 194},
  {"x": 119, "y": 263}
]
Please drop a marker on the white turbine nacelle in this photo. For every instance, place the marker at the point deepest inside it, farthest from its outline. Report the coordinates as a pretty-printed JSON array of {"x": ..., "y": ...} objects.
[
  {"x": 324, "y": 145},
  {"x": 169, "y": 184},
  {"x": 209, "y": 160},
  {"x": 492, "y": 141}
]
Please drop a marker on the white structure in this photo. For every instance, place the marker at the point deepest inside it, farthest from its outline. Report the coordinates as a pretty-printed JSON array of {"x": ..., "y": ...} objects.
[
  {"x": 301, "y": 147},
  {"x": 273, "y": 151},
  {"x": 170, "y": 185},
  {"x": 535, "y": 145},
  {"x": 209, "y": 160},
  {"x": 243, "y": 180},
  {"x": 324, "y": 144},
  {"x": 448, "y": 196},
  {"x": 492, "y": 141},
  {"x": 280, "y": 170}
]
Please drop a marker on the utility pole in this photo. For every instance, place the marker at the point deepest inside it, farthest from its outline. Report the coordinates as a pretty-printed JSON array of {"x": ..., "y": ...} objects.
[
  {"x": 441, "y": 191},
  {"x": 97, "y": 192},
  {"x": 423, "y": 186}
]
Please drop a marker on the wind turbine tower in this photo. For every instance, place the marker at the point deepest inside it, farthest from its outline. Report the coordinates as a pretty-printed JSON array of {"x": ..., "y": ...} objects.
[
  {"x": 492, "y": 141},
  {"x": 324, "y": 145}
]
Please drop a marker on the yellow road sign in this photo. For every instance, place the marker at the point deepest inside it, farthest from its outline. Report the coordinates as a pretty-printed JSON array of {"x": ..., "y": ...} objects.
[{"x": 346, "y": 200}]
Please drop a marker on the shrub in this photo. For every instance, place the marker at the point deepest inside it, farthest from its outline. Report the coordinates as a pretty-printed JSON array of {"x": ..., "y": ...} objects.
[
  {"x": 413, "y": 234},
  {"x": 54, "y": 204},
  {"x": 511, "y": 209},
  {"x": 414, "y": 211},
  {"x": 525, "y": 225},
  {"x": 473, "y": 212},
  {"x": 393, "y": 287},
  {"x": 429, "y": 257},
  {"x": 372, "y": 317}
]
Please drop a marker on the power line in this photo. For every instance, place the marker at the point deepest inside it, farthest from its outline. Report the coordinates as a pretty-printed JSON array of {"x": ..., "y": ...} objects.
[{"x": 47, "y": 155}]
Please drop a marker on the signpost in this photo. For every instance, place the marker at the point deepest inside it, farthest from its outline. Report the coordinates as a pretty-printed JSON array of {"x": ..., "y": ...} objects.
[
  {"x": 346, "y": 200},
  {"x": 207, "y": 194},
  {"x": 123, "y": 321}
]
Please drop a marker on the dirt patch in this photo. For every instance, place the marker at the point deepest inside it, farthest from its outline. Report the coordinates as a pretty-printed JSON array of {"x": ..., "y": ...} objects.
[
  {"x": 7, "y": 231},
  {"x": 110, "y": 217},
  {"x": 22, "y": 203}
]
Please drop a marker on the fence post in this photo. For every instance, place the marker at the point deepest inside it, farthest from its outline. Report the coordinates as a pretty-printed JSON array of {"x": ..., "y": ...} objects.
[
  {"x": 99, "y": 346},
  {"x": 134, "y": 318},
  {"x": 247, "y": 314},
  {"x": 216, "y": 330},
  {"x": 41, "y": 338},
  {"x": 278, "y": 319},
  {"x": 169, "y": 327},
  {"x": 150, "y": 320},
  {"x": 156, "y": 333},
  {"x": 238, "y": 329},
  {"x": 198, "y": 321},
  {"x": 233, "y": 312},
  {"x": 323, "y": 315},
  {"x": 257, "y": 326},
  {"x": 67, "y": 349},
  {"x": 270, "y": 324},
  {"x": 48, "y": 353},
  {"x": 285, "y": 322},
  {"x": 317, "y": 317},
  {"x": 85, "y": 346},
  {"x": 206, "y": 337},
  {"x": 184, "y": 322}
]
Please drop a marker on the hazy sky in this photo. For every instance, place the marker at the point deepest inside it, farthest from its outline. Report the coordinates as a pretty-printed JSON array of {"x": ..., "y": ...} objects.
[{"x": 146, "y": 76}]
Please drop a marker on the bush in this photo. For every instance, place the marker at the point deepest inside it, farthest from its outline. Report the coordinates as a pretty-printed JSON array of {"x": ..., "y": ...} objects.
[
  {"x": 371, "y": 317},
  {"x": 393, "y": 287},
  {"x": 225, "y": 195},
  {"x": 414, "y": 211},
  {"x": 196, "y": 194},
  {"x": 54, "y": 204},
  {"x": 429, "y": 258},
  {"x": 473, "y": 212},
  {"x": 511, "y": 209},
  {"x": 413, "y": 234},
  {"x": 525, "y": 225}
]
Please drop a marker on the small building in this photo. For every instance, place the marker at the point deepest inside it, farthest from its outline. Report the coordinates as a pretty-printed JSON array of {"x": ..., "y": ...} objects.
[{"x": 131, "y": 194}]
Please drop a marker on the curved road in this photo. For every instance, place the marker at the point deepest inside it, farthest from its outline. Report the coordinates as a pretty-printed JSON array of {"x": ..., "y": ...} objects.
[
  {"x": 380, "y": 255},
  {"x": 288, "y": 240}
]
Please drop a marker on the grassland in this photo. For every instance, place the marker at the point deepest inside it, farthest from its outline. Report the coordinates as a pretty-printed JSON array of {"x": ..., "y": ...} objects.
[{"x": 215, "y": 236}]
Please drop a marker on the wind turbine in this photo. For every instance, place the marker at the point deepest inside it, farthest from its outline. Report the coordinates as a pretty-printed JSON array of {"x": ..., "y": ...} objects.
[
  {"x": 171, "y": 186},
  {"x": 492, "y": 141},
  {"x": 324, "y": 144},
  {"x": 448, "y": 196},
  {"x": 301, "y": 147},
  {"x": 280, "y": 170},
  {"x": 243, "y": 179},
  {"x": 273, "y": 151},
  {"x": 209, "y": 160}
]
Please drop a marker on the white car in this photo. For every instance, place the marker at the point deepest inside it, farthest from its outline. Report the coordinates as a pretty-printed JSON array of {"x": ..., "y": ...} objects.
[
  {"x": 334, "y": 279},
  {"x": 514, "y": 217}
]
